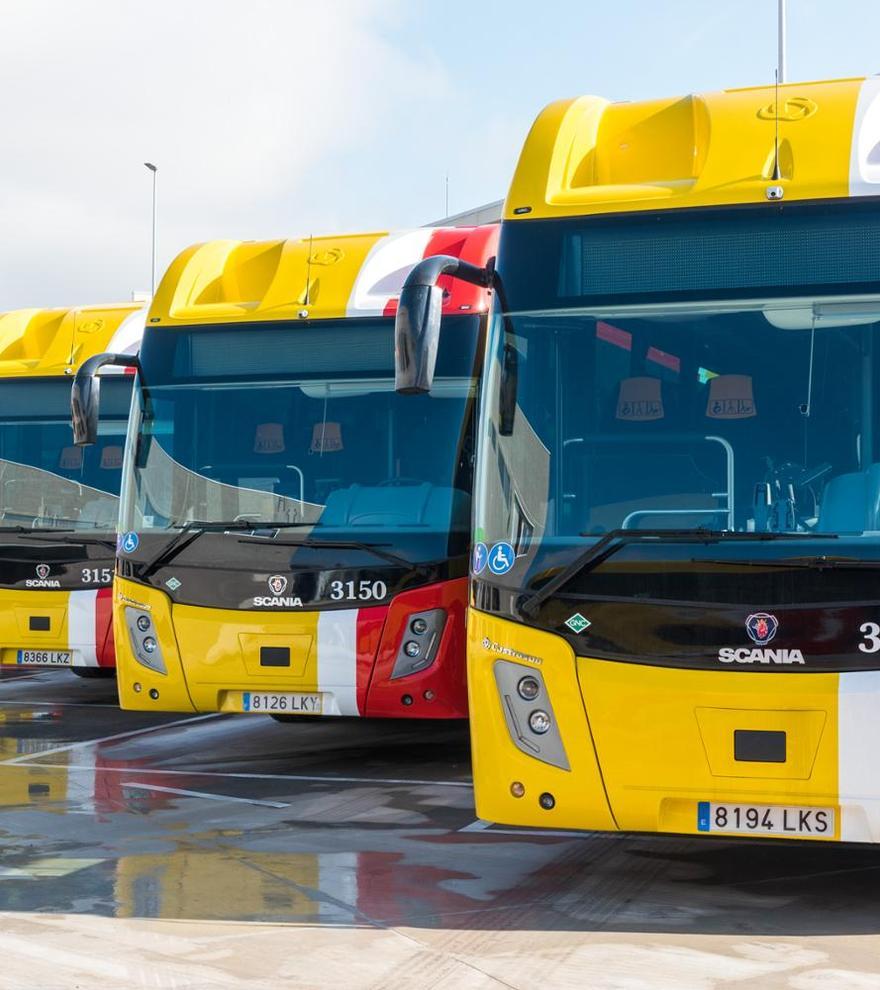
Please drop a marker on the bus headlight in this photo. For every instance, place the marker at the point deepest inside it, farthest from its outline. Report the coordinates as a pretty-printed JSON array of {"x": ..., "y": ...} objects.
[
  {"x": 533, "y": 727},
  {"x": 421, "y": 640},
  {"x": 539, "y": 722},
  {"x": 143, "y": 639}
]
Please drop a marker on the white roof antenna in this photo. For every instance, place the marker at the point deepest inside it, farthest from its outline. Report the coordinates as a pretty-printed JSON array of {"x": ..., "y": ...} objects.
[{"x": 781, "y": 57}]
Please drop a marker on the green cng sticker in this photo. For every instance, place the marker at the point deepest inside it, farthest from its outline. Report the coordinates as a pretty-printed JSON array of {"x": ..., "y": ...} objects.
[{"x": 577, "y": 622}]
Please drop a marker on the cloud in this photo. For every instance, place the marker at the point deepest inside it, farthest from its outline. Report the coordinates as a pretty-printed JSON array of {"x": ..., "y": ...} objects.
[{"x": 242, "y": 105}]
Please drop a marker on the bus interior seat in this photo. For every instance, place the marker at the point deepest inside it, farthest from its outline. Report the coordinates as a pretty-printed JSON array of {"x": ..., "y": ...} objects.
[
  {"x": 616, "y": 484},
  {"x": 851, "y": 502},
  {"x": 426, "y": 506}
]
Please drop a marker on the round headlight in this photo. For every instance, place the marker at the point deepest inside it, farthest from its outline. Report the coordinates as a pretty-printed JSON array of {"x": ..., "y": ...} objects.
[
  {"x": 411, "y": 648},
  {"x": 143, "y": 622},
  {"x": 539, "y": 722},
  {"x": 528, "y": 688},
  {"x": 149, "y": 644},
  {"x": 419, "y": 626}
]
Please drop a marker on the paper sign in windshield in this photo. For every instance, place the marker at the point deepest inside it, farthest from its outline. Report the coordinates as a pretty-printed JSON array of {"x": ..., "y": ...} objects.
[
  {"x": 111, "y": 458},
  {"x": 269, "y": 438},
  {"x": 71, "y": 459},
  {"x": 731, "y": 397},
  {"x": 640, "y": 400},
  {"x": 326, "y": 437}
]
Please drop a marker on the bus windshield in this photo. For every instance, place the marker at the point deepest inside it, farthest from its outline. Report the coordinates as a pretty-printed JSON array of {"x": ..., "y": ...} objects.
[
  {"x": 747, "y": 416},
  {"x": 300, "y": 426},
  {"x": 679, "y": 371},
  {"x": 45, "y": 481}
]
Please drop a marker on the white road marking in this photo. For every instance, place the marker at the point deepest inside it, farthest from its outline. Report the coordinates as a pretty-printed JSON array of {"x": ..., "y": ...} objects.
[
  {"x": 85, "y": 743},
  {"x": 326, "y": 779},
  {"x": 489, "y": 829},
  {"x": 42, "y": 703},
  {"x": 204, "y": 794},
  {"x": 478, "y": 826}
]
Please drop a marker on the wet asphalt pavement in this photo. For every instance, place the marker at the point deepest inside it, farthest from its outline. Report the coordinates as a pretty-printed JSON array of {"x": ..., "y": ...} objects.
[{"x": 234, "y": 851}]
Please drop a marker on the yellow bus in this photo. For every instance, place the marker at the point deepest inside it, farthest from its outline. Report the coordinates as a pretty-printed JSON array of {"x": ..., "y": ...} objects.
[
  {"x": 674, "y": 626},
  {"x": 294, "y": 535},
  {"x": 59, "y": 503}
]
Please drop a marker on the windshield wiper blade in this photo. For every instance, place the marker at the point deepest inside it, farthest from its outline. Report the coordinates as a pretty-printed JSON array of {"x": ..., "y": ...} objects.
[
  {"x": 819, "y": 563},
  {"x": 69, "y": 536},
  {"x": 373, "y": 548},
  {"x": 188, "y": 533},
  {"x": 17, "y": 528},
  {"x": 616, "y": 539}
]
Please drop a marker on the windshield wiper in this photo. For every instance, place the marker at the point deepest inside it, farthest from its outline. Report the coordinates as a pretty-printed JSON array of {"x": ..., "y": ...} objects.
[
  {"x": 616, "y": 539},
  {"x": 68, "y": 536},
  {"x": 189, "y": 533},
  {"x": 18, "y": 528},
  {"x": 373, "y": 548},
  {"x": 820, "y": 563}
]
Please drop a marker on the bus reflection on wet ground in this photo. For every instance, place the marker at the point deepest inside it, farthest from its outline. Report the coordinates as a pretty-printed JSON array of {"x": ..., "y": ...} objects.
[{"x": 336, "y": 837}]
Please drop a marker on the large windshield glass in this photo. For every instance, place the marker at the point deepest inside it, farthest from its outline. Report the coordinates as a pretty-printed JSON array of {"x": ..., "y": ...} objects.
[
  {"x": 677, "y": 371},
  {"x": 300, "y": 425},
  {"x": 45, "y": 481},
  {"x": 748, "y": 418}
]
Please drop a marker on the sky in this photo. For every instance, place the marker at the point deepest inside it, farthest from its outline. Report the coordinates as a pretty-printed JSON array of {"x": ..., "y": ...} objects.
[{"x": 281, "y": 118}]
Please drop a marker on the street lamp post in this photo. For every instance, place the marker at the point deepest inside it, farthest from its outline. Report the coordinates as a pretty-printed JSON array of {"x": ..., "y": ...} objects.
[{"x": 155, "y": 170}]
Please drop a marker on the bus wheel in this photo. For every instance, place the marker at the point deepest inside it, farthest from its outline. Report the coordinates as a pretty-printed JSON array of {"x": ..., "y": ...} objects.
[{"x": 94, "y": 672}]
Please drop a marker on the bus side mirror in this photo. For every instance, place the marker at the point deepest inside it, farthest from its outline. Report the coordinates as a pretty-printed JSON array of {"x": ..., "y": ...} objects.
[
  {"x": 85, "y": 395},
  {"x": 417, "y": 325},
  {"x": 507, "y": 390},
  {"x": 416, "y": 335}
]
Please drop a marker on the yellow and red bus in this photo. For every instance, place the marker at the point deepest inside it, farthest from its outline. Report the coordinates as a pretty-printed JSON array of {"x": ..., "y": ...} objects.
[
  {"x": 674, "y": 625},
  {"x": 294, "y": 535},
  {"x": 58, "y": 502}
]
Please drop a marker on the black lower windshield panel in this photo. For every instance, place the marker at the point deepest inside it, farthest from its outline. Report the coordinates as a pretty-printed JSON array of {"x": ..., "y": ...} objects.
[
  {"x": 239, "y": 571},
  {"x": 54, "y": 561},
  {"x": 742, "y": 618}
]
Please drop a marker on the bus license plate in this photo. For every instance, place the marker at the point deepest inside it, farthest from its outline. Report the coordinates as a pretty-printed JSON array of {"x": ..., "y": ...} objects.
[
  {"x": 44, "y": 658},
  {"x": 763, "y": 819},
  {"x": 270, "y": 703}
]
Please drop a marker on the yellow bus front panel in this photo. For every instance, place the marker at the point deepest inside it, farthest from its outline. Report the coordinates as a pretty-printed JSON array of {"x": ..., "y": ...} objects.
[
  {"x": 660, "y": 742},
  {"x": 40, "y": 628}
]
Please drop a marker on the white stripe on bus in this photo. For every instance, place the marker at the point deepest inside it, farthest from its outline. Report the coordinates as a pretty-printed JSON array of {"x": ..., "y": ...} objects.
[
  {"x": 81, "y": 623},
  {"x": 337, "y": 660}
]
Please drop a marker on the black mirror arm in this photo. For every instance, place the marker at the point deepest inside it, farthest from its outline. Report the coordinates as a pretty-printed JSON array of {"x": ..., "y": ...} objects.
[
  {"x": 91, "y": 366},
  {"x": 427, "y": 271}
]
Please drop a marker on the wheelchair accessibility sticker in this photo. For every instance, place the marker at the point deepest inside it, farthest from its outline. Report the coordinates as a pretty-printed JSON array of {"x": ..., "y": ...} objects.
[
  {"x": 128, "y": 542},
  {"x": 481, "y": 557},
  {"x": 501, "y": 558}
]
